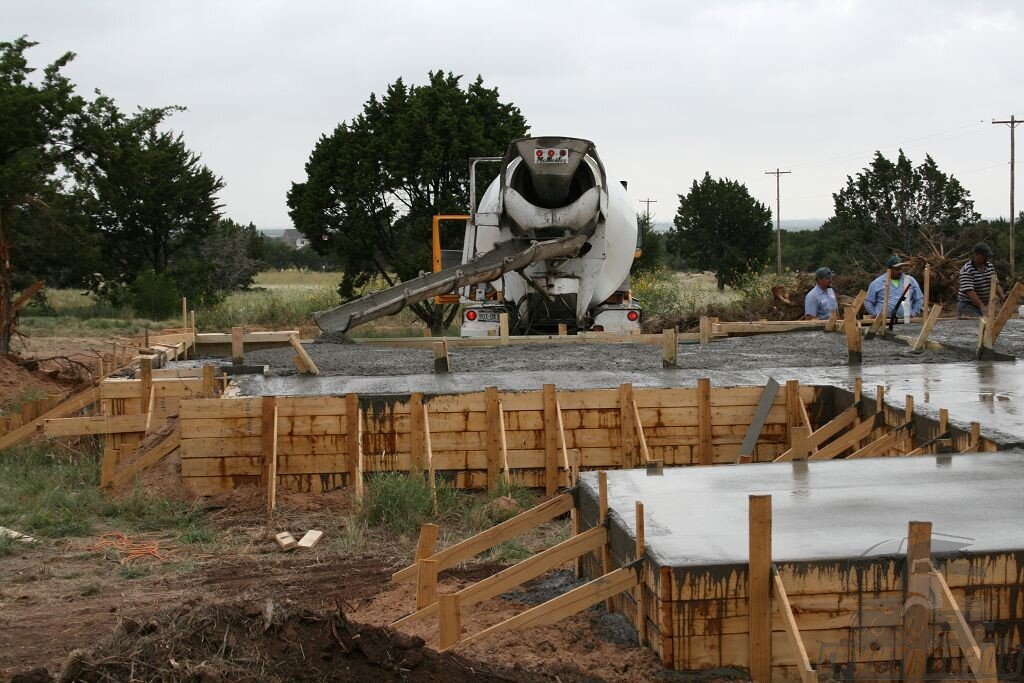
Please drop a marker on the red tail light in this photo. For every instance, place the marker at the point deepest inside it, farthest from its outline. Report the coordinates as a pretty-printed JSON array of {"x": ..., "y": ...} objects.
[
  {"x": 633, "y": 316},
  {"x": 471, "y": 315}
]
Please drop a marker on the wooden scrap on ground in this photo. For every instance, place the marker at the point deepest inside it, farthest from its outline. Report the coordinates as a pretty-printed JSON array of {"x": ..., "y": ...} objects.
[
  {"x": 286, "y": 541},
  {"x": 16, "y": 535},
  {"x": 310, "y": 538}
]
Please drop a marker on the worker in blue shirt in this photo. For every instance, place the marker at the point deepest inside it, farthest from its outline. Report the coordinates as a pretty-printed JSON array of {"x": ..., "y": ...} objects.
[
  {"x": 876, "y": 291},
  {"x": 821, "y": 300}
]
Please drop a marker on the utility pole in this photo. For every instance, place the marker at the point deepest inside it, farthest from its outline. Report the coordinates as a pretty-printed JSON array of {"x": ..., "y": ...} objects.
[
  {"x": 648, "y": 202},
  {"x": 778, "y": 220},
  {"x": 1012, "y": 123}
]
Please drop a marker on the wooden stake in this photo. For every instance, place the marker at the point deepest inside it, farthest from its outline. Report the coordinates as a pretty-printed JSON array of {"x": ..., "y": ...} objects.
[
  {"x": 990, "y": 313},
  {"x": 638, "y": 592},
  {"x": 943, "y": 420},
  {"x": 209, "y": 381},
  {"x": 563, "y": 329},
  {"x": 975, "y": 434},
  {"x": 807, "y": 673},
  {"x": 908, "y": 418},
  {"x": 503, "y": 328},
  {"x": 427, "y": 541},
  {"x": 354, "y": 438},
  {"x": 853, "y": 338},
  {"x": 669, "y": 347},
  {"x": 431, "y": 477},
  {"x": 928, "y": 286},
  {"x": 450, "y": 617},
  {"x": 268, "y": 448},
  {"x": 146, "y": 375},
  {"x": 416, "y": 433},
  {"x": 759, "y": 588},
  {"x": 638, "y": 427},
  {"x": 626, "y": 430},
  {"x": 602, "y": 518},
  {"x": 272, "y": 467},
  {"x": 426, "y": 583},
  {"x": 705, "y": 330},
  {"x": 302, "y": 358},
  {"x": 985, "y": 342},
  {"x": 1008, "y": 308},
  {"x": 916, "y": 604},
  {"x": 830, "y": 324},
  {"x": 237, "y": 346},
  {"x": 504, "y": 444},
  {"x": 442, "y": 363},
  {"x": 705, "y": 452},
  {"x": 493, "y": 437},
  {"x": 929, "y": 322},
  {"x": 552, "y": 434}
]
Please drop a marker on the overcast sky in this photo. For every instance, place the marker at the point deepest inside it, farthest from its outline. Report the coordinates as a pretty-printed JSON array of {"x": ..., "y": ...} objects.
[{"x": 667, "y": 90}]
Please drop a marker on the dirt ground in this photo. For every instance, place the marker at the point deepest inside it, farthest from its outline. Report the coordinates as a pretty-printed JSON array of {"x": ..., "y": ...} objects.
[
  {"x": 795, "y": 349},
  {"x": 242, "y": 609}
]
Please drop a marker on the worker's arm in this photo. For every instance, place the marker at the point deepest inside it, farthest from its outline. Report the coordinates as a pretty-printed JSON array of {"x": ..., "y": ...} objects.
[
  {"x": 975, "y": 299},
  {"x": 872, "y": 303},
  {"x": 810, "y": 307}
]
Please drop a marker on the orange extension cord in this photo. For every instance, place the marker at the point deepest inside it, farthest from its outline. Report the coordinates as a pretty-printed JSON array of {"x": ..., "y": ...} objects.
[{"x": 130, "y": 551}]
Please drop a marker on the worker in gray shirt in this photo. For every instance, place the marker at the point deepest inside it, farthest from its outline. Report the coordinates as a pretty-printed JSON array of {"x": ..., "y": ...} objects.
[{"x": 821, "y": 300}]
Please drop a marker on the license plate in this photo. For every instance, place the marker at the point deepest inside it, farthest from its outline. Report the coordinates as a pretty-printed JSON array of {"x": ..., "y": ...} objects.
[
  {"x": 488, "y": 316},
  {"x": 551, "y": 155}
]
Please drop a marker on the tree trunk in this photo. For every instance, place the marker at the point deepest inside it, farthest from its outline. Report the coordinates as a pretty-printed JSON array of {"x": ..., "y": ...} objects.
[{"x": 6, "y": 294}]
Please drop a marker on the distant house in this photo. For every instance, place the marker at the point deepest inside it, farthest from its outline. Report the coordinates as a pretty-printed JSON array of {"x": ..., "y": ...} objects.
[{"x": 291, "y": 236}]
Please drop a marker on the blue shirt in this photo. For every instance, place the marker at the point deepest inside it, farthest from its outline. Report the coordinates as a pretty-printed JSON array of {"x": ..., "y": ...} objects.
[
  {"x": 820, "y": 303},
  {"x": 876, "y": 293}
]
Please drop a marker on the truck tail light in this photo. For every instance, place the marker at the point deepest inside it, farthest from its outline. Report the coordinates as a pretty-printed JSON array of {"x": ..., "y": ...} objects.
[
  {"x": 633, "y": 316},
  {"x": 471, "y": 315}
]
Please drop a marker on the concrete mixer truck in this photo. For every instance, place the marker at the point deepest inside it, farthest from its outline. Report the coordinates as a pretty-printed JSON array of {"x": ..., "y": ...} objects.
[{"x": 551, "y": 243}]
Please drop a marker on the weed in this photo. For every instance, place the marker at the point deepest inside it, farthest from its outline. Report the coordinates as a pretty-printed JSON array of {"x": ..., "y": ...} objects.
[
  {"x": 397, "y": 501},
  {"x": 508, "y": 552},
  {"x": 15, "y": 404},
  {"x": 8, "y": 546},
  {"x": 130, "y": 572},
  {"x": 90, "y": 589}
]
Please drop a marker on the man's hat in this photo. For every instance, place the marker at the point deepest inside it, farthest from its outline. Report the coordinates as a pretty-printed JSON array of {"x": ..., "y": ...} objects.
[
  {"x": 893, "y": 261},
  {"x": 822, "y": 272},
  {"x": 983, "y": 249}
]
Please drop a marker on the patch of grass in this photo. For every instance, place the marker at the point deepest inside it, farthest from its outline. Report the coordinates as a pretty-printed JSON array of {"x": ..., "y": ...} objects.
[
  {"x": 508, "y": 552},
  {"x": 90, "y": 589},
  {"x": 15, "y": 404},
  {"x": 131, "y": 572},
  {"x": 396, "y": 501},
  {"x": 56, "y": 495},
  {"x": 8, "y": 546}
]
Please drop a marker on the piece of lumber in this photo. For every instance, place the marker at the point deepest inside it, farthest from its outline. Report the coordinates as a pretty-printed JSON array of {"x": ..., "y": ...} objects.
[
  {"x": 850, "y": 439},
  {"x": 74, "y": 404},
  {"x": 639, "y": 552},
  {"x": 238, "y": 345},
  {"x": 764, "y": 405},
  {"x": 493, "y": 437},
  {"x": 854, "y": 349},
  {"x": 427, "y": 541},
  {"x": 310, "y": 538},
  {"x": 147, "y": 459},
  {"x": 645, "y": 453},
  {"x": 600, "y": 589},
  {"x": 26, "y": 295},
  {"x": 302, "y": 358},
  {"x": 804, "y": 668},
  {"x": 428, "y": 448},
  {"x": 552, "y": 435},
  {"x": 1008, "y": 308},
  {"x": 504, "y": 443},
  {"x": 669, "y": 347},
  {"x": 450, "y": 620},
  {"x": 826, "y": 432},
  {"x": 916, "y": 604},
  {"x": 759, "y": 587},
  {"x": 104, "y": 424},
  {"x": 921, "y": 343},
  {"x": 286, "y": 541},
  {"x": 927, "y": 286},
  {"x": 983, "y": 665},
  {"x": 146, "y": 388},
  {"x": 442, "y": 362},
  {"x": 984, "y": 350},
  {"x": 426, "y": 583},
  {"x": 503, "y": 328},
  {"x": 563, "y": 329},
  {"x": 416, "y": 436},
  {"x": 353, "y": 442},
  {"x": 449, "y": 557},
  {"x": 571, "y": 480},
  {"x": 885, "y": 443},
  {"x": 705, "y": 451},
  {"x": 627, "y": 433},
  {"x": 521, "y": 572},
  {"x": 270, "y": 438},
  {"x": 705, "y": 330},
  {"x": 831, "y": 323}
]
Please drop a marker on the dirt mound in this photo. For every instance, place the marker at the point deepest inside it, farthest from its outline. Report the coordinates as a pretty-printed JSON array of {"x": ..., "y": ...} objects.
[
  {"x": 18, "y": 383},
  {"x": 256, "y": 642}
]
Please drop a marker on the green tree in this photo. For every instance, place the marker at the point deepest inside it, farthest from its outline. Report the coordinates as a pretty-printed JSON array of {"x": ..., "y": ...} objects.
[
  {"x": 653, "y": 252},
  {"x": 720, "y": 227},
  {"x": 896, "y": 206},
  {"x": 151, "y": 196},
  {"x": 226, "y": 260},
  {"x": 374, "y": 183}
]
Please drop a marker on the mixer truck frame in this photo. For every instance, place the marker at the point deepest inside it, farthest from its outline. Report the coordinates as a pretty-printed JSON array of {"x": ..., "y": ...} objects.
[{"x": 550, "y": 243}]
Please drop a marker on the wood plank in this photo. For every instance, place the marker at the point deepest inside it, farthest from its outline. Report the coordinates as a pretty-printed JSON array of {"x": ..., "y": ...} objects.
[
  {"x": 916, "y": 612},
  {"x": 826, "y": 432},
  {"x": 270, "y": 438},
  {"x": 885, "y": 445},
  {"x": 627, "y": 437},
  {"x": 416, "y": 432},
  {"x": 83, "y": 426},
  {"x": 493, "y": 437},
  {"x": 520, "y": 573},
  {"x": 850, "y": 439},
  {"x": 807, "y": 673},
  {"x": 309, "y": 367},
  {"x": 1008, "y": 308},
  {"x": 704, "y": 421},
  {"x": 983, "y": 665},
  {"x": 566, "y": 605},
  {"x": 238, "y": 345},
  {"x": 449, "y": 557},
  {"x": 764, "y": 405},
  {"x": 74, "y": 404},
  {"x": 638, "y": 427},
  {"x": 759, "y": 587},
  {"x": 146, "y": 460},
  {"x": 921, "y": 343},
  {"x": 552, "y": 437}
]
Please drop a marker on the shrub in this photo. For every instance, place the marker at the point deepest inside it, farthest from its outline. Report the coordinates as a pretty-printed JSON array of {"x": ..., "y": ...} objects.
[{"x": 155, "y": 295}]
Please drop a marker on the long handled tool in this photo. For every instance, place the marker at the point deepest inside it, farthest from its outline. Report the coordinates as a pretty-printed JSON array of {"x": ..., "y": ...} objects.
[{"x": 896, "y": 309}]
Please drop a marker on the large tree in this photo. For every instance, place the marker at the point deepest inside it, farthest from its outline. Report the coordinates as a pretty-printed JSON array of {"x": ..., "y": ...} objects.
[
  {"x": 373, "y": 184},
  {"x": 720, "y": 227},
  {"x": 896, "y": 206}
]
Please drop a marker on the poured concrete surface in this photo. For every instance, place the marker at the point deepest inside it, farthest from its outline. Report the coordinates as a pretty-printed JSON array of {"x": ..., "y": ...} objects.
[
  {"x": 823, "y": 510},
  {"x": 964, "y": 334},
  {"x": 989, "y": 393}
]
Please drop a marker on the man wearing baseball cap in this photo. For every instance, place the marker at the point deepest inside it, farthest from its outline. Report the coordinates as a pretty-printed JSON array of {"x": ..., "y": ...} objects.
[
  {"x": 821, "y": 300},
  {"x": 900, "y": 282},
  {"x": 976, "y": 283}
]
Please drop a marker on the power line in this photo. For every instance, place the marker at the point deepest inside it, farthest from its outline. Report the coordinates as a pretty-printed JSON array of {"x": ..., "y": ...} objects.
[
  {"x": 648, "y": 202},
  {"x": 1012, "y": 123},
  {"x": 778, "y": 219}
]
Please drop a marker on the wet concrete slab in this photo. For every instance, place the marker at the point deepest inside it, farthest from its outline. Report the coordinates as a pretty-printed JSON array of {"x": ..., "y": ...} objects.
[
  {"x": 986, "y": 392},
  {"x": 823, "y": 510},
  {"x": 963, "y": 334}
]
